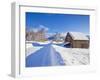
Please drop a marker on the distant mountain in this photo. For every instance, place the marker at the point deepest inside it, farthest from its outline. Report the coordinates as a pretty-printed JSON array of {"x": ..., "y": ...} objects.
[
  {"x": 57, "y": 36},
  {"x": 51, "y": 38}
]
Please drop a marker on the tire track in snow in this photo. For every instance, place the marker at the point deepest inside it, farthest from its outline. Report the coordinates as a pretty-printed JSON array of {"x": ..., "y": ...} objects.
[{"x": 46, "y": 56}]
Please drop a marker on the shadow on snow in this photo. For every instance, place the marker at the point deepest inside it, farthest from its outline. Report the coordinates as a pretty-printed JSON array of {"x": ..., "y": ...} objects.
[{"x": 46, "y": 56}]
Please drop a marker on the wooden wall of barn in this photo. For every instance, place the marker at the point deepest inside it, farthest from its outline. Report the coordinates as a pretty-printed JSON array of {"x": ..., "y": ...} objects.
[{"x": 80, "y": 44}]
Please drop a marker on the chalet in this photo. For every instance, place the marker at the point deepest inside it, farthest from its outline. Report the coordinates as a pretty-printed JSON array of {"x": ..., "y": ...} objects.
[{"x": 77, "y": 40}]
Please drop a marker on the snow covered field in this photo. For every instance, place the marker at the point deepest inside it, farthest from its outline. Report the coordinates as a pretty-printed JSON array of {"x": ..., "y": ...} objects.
[
  {"x": 73, "y": 56},
  {"x": 48, "y": 54}
]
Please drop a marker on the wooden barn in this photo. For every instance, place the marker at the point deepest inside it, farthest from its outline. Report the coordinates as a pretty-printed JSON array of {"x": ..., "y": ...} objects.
[{"x": 77, "y": 40}]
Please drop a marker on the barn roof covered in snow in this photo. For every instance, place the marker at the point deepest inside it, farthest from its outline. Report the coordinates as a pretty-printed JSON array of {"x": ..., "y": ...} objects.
[{"x": 78, "y": 36}]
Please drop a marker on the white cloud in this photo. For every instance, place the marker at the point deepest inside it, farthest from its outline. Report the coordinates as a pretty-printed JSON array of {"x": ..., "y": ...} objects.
[
  {"x": 43, "y": 27},
  {"x": 40, "y": 27},
  {"x": 35, "y": 30}
]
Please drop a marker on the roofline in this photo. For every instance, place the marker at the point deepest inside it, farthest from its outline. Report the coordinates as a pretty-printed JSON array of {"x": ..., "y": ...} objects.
[{"x": 77, "y": 39}]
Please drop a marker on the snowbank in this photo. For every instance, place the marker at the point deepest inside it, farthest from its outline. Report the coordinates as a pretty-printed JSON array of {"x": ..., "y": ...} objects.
[
  {"x": 73, "y": 56},
  {"x": 31, "y": 49},
  {"x": 69, "y": 56}
]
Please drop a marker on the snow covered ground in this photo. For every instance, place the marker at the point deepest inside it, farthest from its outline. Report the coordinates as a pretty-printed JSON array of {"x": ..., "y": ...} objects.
[
  {"x": 46, "y": 56},
  {"x": 52, "y": 55},
  {"x": 73, "y": 56},
  {"x": 31, "y": 49},
  {"x": 32, "y": 46}
]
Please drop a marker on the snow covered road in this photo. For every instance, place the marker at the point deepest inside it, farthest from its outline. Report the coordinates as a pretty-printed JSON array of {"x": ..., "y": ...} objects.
[
  {"x": 53, "y": 55},
  {"x": 46, "y": 56}
]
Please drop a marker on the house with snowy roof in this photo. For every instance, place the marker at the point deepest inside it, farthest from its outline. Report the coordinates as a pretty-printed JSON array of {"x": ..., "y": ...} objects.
[{"x": 77, "y": 40}]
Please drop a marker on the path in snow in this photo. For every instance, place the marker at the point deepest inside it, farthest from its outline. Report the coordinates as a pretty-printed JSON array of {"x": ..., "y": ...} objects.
[
  {"x": 31, "y": 49},
  {"x": 46, "y": 56}
]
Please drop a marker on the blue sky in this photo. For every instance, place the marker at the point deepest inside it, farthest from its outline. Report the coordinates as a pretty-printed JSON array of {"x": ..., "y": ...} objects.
[{"x": 58, "y": 22}]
